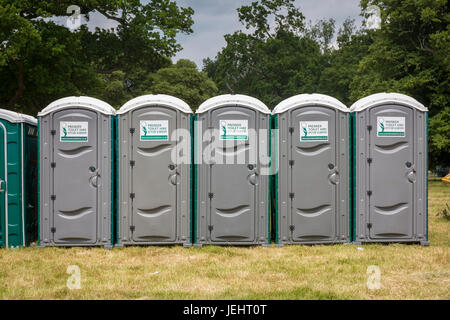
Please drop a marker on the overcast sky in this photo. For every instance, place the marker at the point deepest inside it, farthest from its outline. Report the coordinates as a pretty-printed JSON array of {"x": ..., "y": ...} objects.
[{"x": 215, "y": 18}]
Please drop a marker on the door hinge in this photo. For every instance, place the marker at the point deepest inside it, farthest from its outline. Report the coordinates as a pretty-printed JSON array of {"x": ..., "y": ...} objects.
[
  {"x": 132, "y": 195},
  {"x": 132, "y": 163},
  {"x": 131, "y": 130},
  {"x": 291, "y": 163},
  {"x": 53, "y": 197},
  {"x": 53, "y": 132},
  {"x": 369, "y": 160},
  {"x": 210, "y": 228},
  {"x": 291, "y": 195},
  {"x": 292, "y": 227},
  {"x": 210, "y": 195},
  {"x": 369, "y": 193},
  {"x": 132, "y": 228},
  {"x": 53, "y": 230},
  {"x": 53, "y": 164},
  {"x": 291, "y": 129},
  {"x": 369, "y": 127},
  {"x": 369, "y": 225}
]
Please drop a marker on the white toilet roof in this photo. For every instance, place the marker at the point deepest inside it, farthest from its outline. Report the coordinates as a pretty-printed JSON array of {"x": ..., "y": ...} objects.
[
  {"x": 384, "y": 98},
  {"x": 309, "y": 99},
  {"x": 155, "y": 99},
  {"x": 15, "y": 117},
  {"x": 85, "y": 102},
  {"x": 233, "y": 99}
]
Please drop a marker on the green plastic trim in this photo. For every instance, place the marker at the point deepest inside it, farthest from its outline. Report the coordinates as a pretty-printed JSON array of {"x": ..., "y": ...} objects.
[
  {"x": 116, "y": 178},
  {"x": 2, "y": 212},
  {"x": 39, "y": 179},
  {"x": 269, "y": 204},
  {"x": 350, "y": 181},
  {"x": 30, "y": 191},
  {"x": 426, "y": 167},
  {"x": 14, "y": 186},
  {"x": 276, "y": 152},
  {"x": 113, "y": 184},
  {"x": 191, "y": 185},
  {"x": 194, "y": 181},
  {"x": 354, "y": 175},
  {"x": 21, "y": 171}
]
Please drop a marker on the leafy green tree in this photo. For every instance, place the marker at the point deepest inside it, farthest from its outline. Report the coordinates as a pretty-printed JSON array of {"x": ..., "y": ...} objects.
[
  {"x": 439, "y": 140},
  {"x": 342, "y": 64},
  {"x": 410, "y": 54},
  {"x": 271, "y": 63},
  {"x": 323, "y": 32},
  {"x": 41, "y": 61},
  {"x": 183, "y": 81}
]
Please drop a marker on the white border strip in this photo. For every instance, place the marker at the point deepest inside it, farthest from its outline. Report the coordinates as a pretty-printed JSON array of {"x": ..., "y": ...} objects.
[{"x": 6, "y": 231}]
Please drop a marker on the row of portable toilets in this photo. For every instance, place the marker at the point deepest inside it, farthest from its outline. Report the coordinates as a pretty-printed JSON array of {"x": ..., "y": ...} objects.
[{"x": 311, "y": 171}]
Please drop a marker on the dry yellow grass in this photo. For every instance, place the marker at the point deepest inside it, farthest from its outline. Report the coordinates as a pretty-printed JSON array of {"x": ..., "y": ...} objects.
[{"x": 291, "y": 272}]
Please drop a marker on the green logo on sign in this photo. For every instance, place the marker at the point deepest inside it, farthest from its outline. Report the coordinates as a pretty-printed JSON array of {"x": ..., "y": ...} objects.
[
  {"x": 73, "y": 131},
  {"x": 233, "y": 129},
  {"x": 391, "y": 127},
  {"x": 313, "y": 131},
  {"x": 154, "y": 130}
]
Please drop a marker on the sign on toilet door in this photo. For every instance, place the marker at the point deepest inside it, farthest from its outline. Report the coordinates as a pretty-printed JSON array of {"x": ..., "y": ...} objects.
[
  {"x": 233, "y": 130},
  {"x": 313, "y": 131},
  {"x": 73, "y": 131},
  {"x": 154, "y": 130},
  {"x": 390, "y": 126}
]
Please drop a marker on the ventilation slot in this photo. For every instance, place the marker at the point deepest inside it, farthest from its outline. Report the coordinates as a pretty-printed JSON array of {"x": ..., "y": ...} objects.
[
  {"x": 391, "y": 210},
  {"x": 233, "y": 212},
  {"x": 233, "y": 150},
  {"x": 313, "y": 212},
  {"x": 74, "y": 153},
  {"x": 314, "y": 150},
  {"x": 154, "y": 151},
  {"x": 391, "y": 148},
  {"x": 154, "y": 212},
  {"x": 75, "y": 214}
]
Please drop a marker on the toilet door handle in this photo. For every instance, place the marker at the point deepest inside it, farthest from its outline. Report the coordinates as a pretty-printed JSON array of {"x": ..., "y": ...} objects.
[
  {"x": 334, "y": 177},
  {"x": 174, "y": 178},
  {"x": 253, "y": 178},
  {"x": 2, "y": 186},
  {"x": 94, "y": 178}
]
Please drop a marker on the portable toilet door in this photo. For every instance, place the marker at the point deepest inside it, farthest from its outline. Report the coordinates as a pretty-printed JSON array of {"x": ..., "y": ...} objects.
[
  {"x": 390, "y": 161},
  {"x": 76, "y": 145},
  {"x": 18, "y": 159},
  {"x": 154, "y": 161},
  {"x": 312, "y": 154},
  {"x": 232, "y": 133}
]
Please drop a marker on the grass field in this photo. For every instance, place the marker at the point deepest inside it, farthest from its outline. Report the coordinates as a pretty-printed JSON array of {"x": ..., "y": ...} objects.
[{"x": 291, "y": 272}]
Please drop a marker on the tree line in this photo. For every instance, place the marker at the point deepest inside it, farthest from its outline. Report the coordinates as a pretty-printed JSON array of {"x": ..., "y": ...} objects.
[{"x": 275, "y": 55}]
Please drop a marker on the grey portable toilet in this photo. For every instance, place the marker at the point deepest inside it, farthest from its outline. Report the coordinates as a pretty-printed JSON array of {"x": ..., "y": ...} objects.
[
  {"x": 154, "y": 162},
  {"x": 18, "y": 181},
  {"x": 390, "y": 163},
  {"x": 232, "y": 191},
  {"x": 76, "y": 163},
  {"x": 312, "y": 151}
]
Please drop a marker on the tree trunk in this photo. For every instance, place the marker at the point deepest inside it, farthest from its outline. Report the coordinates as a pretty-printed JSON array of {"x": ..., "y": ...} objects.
[{"x": 20, "y": 84}]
